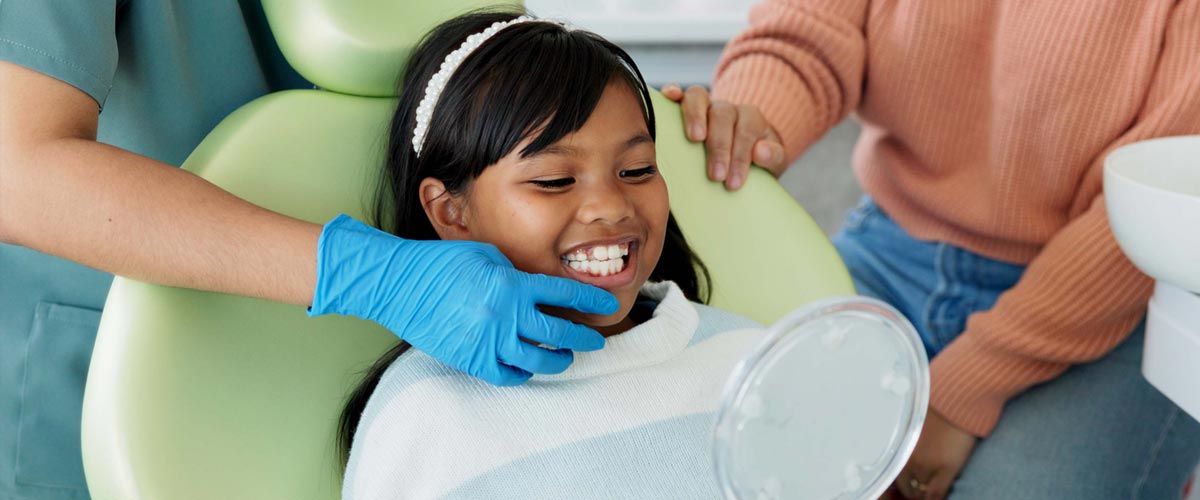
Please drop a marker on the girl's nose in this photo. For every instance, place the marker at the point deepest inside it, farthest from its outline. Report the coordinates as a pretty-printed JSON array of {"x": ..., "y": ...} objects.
[{"x": 605, "y": 202}]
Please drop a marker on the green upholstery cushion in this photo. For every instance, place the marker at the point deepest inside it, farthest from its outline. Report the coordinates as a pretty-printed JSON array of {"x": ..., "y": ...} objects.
[
  {"x": 196, "y": 395},
  {"x": 766, "y": 254},
  {"x": 354, "y": 46}
]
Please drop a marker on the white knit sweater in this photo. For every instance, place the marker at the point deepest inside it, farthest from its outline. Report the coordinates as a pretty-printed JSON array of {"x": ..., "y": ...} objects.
[{"x": 633, "y": 420}]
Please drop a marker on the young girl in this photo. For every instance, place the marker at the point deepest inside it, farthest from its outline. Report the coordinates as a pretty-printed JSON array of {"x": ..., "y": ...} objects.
[{"x": 541, "y": 142}]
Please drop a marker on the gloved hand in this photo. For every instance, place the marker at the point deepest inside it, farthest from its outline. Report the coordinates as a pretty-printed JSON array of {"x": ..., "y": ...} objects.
[{"x": 461, "y": 302}]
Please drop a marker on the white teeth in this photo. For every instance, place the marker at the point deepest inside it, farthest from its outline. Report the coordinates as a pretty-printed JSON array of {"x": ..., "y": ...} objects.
[
  {"x": 601, "y": 253},
  {"x": 603, "y": 260},
  {"x": 598, "y": 267}
]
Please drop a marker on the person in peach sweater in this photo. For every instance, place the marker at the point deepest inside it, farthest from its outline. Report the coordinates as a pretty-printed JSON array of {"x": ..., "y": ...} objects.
[{"x": 984, "y": 131}]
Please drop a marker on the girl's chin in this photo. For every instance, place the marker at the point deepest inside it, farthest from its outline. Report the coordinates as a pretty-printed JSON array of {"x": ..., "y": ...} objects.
[{"x": 607, "y": 325}]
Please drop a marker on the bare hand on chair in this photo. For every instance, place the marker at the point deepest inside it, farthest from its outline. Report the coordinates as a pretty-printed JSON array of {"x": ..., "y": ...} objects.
[
  {"x": 734, "y": 135},
  {"x": 942, "y": 451}
]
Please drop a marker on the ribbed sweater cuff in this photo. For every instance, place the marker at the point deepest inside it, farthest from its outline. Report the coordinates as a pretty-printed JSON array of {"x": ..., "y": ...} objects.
[
  {"x": 1076, "y": 301},
  {"x": 969, "y": 383}
]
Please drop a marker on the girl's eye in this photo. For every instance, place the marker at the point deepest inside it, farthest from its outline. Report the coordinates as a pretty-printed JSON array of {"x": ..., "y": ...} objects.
[
  {"x": 554, "y": 183},
  {"x": 639, "y": 173}
]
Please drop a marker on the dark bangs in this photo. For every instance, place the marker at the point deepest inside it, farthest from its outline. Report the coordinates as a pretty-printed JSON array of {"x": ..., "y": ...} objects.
[{"x": 527, "y": 76}]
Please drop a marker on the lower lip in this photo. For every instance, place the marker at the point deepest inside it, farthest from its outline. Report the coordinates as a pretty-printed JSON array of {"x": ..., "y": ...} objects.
[{"x": 618, "y": 280}]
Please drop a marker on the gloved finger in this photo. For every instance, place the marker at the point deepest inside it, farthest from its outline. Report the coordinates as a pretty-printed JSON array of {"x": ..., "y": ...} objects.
[
  {"x": 535, "y": 359},
  {"x": 722, "y": 116},
  {"x": 492, "y": 253},
  {"x": 500, "y": 374},
  {"x": 695, "y": 105},
  {"x": 568, "y": 293},
  {"x": 545, "y": 329}
]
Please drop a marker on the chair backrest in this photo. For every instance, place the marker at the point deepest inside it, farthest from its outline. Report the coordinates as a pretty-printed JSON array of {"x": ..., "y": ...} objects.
[{"x": 201, "y": 395}]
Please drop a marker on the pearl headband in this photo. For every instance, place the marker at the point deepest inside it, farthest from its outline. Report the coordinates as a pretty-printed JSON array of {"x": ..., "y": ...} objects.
[{"x": 437, "y": 83}]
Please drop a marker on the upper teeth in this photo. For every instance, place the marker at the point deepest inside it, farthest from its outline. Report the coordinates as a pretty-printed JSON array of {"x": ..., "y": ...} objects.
[
  {"x": 599, "y": 260},
  {"x": 602, "y": 252}
]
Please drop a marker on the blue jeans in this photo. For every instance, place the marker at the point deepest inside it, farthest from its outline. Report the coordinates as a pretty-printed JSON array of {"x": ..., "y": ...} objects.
[{"x": 1099, "y": 431}]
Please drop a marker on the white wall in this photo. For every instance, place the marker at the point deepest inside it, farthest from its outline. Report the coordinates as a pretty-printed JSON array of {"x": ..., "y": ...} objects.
[{"x": 672, "y": 40}]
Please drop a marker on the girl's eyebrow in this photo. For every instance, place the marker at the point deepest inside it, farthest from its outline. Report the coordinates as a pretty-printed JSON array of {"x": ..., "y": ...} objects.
[
  {"x": 568, "y": 150},
  {"x": 637, "y": 140}
]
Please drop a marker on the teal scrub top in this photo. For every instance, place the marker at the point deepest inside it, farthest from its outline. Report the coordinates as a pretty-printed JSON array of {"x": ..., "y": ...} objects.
[{"x": 163, "y": 73}]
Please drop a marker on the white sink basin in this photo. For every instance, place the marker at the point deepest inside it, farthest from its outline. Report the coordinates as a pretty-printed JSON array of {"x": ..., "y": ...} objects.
[{"x": 1152, "y": 191}]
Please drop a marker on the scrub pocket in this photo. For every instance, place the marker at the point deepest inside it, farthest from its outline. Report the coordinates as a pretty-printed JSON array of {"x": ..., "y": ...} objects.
[{"x": 56, "y": 365}]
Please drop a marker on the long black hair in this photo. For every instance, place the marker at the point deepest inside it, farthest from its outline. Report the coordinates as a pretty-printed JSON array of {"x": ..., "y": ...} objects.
[{"x": 526, "y": 76}]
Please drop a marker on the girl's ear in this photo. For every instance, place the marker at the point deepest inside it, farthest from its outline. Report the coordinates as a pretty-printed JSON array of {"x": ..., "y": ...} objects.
[{"x": 444, "y": 210}]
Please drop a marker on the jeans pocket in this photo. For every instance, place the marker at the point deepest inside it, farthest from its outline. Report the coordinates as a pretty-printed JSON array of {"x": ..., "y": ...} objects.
[{"x": 56, "y": 365}]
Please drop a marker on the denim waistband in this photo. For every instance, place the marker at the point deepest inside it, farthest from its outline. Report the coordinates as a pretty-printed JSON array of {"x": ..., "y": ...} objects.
[{"x": 935, "y": 284}]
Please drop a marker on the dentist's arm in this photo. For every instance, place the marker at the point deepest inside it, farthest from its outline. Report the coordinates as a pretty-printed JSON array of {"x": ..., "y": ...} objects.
[{"x": 65, "y": 194}]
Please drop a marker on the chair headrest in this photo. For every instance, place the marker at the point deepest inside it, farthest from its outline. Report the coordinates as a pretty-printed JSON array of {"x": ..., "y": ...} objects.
[{"x": 358, "y": 47}]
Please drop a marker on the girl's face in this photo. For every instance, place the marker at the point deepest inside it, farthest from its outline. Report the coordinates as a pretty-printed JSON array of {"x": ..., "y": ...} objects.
[{"x": 591, "y": 207}]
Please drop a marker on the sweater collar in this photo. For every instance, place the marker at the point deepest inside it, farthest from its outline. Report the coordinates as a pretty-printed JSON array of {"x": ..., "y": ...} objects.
[{"x": 666, "y": 334}]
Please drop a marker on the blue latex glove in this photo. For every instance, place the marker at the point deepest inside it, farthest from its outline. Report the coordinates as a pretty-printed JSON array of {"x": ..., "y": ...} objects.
[{"x": 461, "y": 302}]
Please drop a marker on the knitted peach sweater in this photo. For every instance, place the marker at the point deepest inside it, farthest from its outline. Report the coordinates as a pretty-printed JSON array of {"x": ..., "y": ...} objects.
[{"x": 985, "y": 125}]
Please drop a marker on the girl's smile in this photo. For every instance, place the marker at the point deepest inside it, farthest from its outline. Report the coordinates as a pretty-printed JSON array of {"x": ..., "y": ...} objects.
[{"x": 605, "y": 264}]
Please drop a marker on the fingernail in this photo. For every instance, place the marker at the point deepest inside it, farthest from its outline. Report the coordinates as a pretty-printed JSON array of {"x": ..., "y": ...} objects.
[
  {"x": 735, "y": 181},
  {"x": 697, "y": 133},
  {"x": 720, "y": 170}
]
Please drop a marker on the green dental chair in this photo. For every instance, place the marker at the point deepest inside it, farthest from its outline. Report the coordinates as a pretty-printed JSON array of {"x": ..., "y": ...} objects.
[{"x": 196, "y": 395}]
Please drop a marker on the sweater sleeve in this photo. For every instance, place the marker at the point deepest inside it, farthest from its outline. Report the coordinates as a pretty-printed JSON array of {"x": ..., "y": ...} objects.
[
  {"x": 1080, "y": 296},
  {"x": 801, "y": 62}
]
